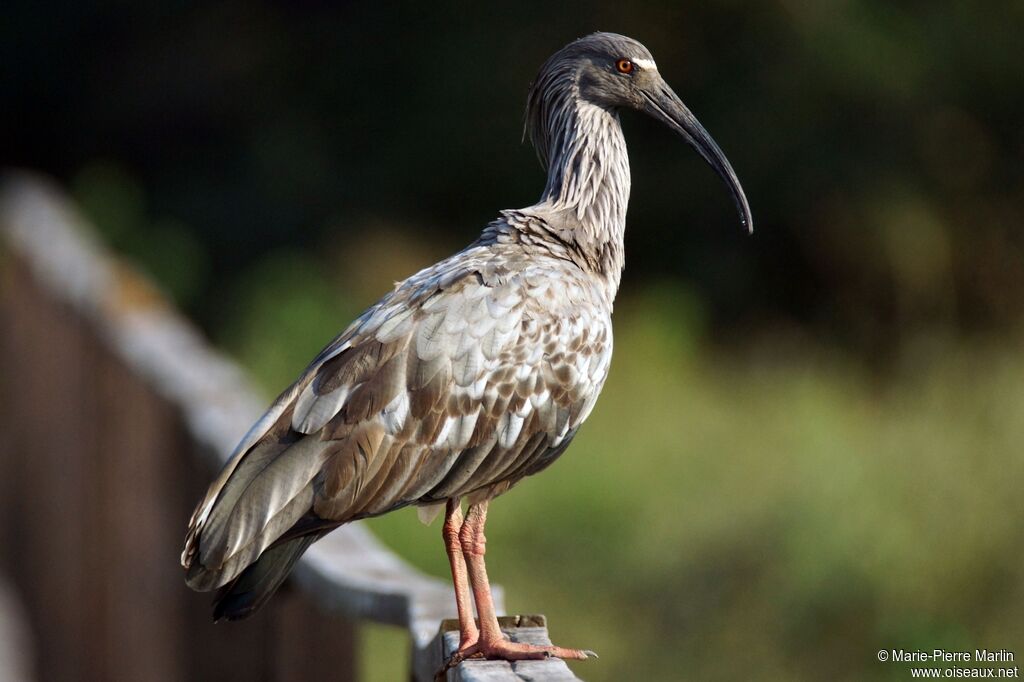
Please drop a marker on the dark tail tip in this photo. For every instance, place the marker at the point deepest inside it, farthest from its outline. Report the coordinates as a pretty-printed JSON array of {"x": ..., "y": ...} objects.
[{"x": 244, "y": 595}]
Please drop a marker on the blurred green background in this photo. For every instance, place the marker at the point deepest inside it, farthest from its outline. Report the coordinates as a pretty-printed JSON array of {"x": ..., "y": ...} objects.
[{"x": 810, "y": 445}]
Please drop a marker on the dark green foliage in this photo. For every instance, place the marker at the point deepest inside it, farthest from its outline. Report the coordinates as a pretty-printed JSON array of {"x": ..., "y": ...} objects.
[{"x": 880, "y": 144}]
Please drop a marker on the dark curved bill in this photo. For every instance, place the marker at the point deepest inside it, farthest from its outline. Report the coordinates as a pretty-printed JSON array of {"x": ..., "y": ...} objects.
[{"x": 666, "y": 106}]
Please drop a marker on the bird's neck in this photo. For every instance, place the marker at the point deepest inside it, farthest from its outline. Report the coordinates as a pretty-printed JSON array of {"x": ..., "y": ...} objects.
[{"x": 588, "y": 177}]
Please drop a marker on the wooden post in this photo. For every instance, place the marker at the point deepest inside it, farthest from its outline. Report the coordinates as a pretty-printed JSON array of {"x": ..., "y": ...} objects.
[{"x": 527, "y": 629}]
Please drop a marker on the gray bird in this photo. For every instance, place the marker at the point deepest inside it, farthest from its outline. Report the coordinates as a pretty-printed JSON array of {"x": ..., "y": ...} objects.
[{"x": 471, "y": 375}]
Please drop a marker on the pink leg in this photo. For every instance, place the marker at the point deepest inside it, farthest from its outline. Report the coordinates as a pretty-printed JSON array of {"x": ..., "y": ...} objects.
[
  {"x": 468, "y": 632},
  {"x": 492, "y": 643}
]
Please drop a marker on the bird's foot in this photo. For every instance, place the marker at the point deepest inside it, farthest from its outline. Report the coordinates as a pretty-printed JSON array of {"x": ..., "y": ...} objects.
[
  {"x": 505, "y": 650},
  {"x": 468, "y": 640}
]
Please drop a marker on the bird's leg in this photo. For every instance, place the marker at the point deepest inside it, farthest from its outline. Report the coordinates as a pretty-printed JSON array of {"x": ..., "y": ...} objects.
[
  {"x": 492, "y": 643},
  {"x": 468, "y": 632}
]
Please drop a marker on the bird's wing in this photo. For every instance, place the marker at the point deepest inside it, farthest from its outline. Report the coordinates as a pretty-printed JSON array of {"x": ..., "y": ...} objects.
[
  {"x": 465, "y": 392},
  {"x": 455, "y": 382}
]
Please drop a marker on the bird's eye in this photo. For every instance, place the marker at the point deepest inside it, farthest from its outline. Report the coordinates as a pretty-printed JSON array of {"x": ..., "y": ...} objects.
[{"x": 624, "y": 66}]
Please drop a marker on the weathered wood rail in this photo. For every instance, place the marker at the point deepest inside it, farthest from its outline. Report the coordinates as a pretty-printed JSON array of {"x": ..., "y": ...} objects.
[{"x": 115, "y": 412}]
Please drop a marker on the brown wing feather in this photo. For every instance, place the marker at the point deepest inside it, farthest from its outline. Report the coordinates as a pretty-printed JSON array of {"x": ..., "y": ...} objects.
[{"x": 456, "y": 384}]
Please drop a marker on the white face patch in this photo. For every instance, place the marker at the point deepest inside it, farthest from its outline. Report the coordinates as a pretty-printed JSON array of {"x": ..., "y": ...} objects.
[{"x": 646, "y": 64}]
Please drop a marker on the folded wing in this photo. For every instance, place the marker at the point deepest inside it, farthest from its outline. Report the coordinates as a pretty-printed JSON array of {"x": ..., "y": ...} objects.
[{"x": 453, "y": 385}]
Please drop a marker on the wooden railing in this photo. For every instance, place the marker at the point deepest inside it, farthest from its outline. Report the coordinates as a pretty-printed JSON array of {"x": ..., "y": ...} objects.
[{"x": 115, "y": 413}]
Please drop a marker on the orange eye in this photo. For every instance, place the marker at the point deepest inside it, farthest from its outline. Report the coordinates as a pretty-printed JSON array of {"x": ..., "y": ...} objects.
[{"x": 624, "y": 66}]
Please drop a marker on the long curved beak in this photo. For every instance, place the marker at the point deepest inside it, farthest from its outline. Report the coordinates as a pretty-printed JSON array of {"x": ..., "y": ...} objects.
[{"x": 665, "y": 105}]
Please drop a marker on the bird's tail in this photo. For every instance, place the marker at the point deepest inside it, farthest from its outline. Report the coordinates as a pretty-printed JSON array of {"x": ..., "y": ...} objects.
[
  {"x": 257, "y": 504},
  {"x": 244, "y": 595}
]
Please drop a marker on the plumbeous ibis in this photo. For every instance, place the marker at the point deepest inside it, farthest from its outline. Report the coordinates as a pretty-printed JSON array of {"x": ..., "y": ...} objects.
[{"x": 469, "y": 376}]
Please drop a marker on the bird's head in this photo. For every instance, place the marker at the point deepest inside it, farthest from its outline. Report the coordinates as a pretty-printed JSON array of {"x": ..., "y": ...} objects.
[{"x": 615, "y": 72}]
